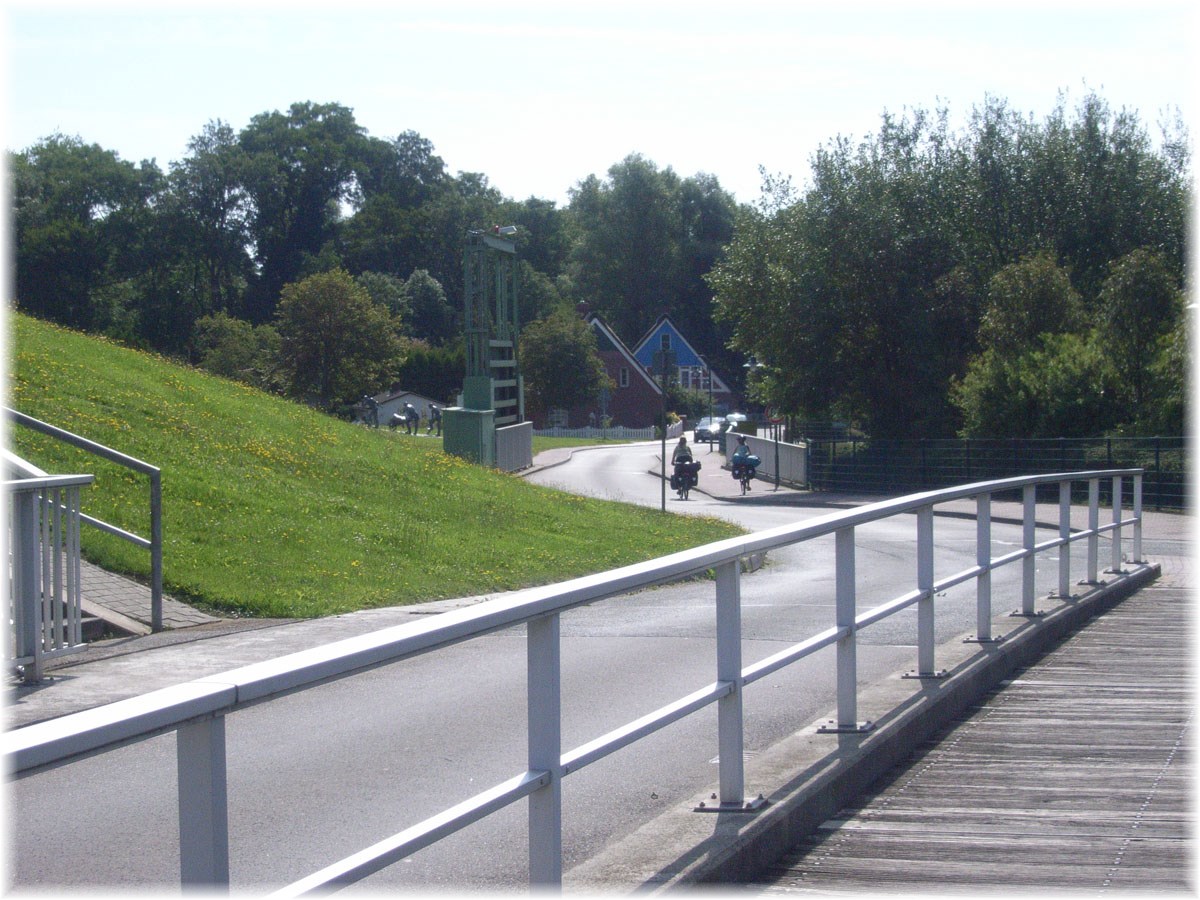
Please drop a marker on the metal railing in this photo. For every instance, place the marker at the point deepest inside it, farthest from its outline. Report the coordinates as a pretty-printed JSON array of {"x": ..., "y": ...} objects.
[
  {"x": 197, "y": 710},
  {"x": 514, "y": 447},
  {"x": 45, "y": 599},
  {"x": 154, "y": 543}
]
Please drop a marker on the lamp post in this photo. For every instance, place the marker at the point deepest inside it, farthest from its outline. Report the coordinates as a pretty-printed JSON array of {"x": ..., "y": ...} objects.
[
  {"x": 752, "y": 365},
  {"x": 708, "y": 376},
  {"x": 665, "y": 361}
]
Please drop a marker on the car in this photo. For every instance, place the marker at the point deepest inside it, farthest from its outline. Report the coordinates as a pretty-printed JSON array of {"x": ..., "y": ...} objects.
[
  {"x": 707, "y": 430},
  {"x": 734, "y": 418}
]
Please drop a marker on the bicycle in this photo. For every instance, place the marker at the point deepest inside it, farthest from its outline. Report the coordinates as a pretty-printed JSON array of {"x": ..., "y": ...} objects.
[
  {"x": 744, "y": 475},
  {"x": 685, "y": 478}
]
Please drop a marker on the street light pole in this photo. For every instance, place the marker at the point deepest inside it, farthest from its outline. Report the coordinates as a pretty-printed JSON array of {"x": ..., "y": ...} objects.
[{"x": 708, "y": 375}]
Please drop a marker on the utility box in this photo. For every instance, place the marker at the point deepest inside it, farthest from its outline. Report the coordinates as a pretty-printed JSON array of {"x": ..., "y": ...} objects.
[{"x": 470, "y": 433}]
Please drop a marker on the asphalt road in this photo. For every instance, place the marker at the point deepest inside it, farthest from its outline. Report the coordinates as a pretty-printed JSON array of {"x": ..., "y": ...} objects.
[{"x": 319, "y": 775}]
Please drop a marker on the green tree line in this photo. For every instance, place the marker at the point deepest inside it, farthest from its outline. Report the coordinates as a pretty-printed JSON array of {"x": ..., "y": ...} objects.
[
  {"x": 197, "y": 261},
  {"x": 1013, "y": 279}
]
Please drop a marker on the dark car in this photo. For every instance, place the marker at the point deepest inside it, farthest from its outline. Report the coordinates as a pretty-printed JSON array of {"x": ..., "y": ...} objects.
[{"x": 708, "y": 430}]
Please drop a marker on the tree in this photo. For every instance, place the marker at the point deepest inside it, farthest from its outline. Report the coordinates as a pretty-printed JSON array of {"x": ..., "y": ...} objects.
[
  {"x": 1169, "y": 373},
  {"x": 405, "y": 169},
  {"x": 560, "y": 364},
  {"x": 212, "y": 209},
  {"x": 1139, "y": 304},
  {"x": 773, "y": 300},
  {"x": 432, "y": 317},
  {"x": 625, "y": 264},
  {"x": 335, "y": 343},
  {"x": 1064, "y": 387},
  {"x": 82, "y": 220},
  {"x": 300, "y": 167},
  {"x": 389, "y": 292},
  {"x": 538, "y": 296},
  {"x": 435, "y": 372},
  {"x": 838, "y": 290},
  {"x": 866, "y": 292},
  {"x": 233, "y": 348},
  {"x": 1026, "y": 300}
]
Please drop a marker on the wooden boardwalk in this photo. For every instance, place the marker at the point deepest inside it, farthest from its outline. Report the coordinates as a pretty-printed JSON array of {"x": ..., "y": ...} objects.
[{"x": 1073, "y": 775}]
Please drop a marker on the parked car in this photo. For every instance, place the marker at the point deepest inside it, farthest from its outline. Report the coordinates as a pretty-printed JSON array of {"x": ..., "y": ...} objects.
[
  {"x": 732, "y": 420},
  {"x": 708, "y": 430}
]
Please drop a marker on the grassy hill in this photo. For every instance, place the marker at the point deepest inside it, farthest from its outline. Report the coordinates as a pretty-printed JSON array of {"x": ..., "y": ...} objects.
[{"x": 273, "y": 509}]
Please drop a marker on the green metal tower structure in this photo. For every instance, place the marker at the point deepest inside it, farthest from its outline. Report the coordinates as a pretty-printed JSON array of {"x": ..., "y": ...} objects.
[{"x": 493, "y": 392}]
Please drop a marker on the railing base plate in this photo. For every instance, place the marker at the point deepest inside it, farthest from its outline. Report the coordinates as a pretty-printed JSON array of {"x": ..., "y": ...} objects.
[
  {"x": 974, "y": 639},
  {"x": 745, "y": 806},
  {"x": 834, "y": 728},
  {"x": 940, "y": 673}
]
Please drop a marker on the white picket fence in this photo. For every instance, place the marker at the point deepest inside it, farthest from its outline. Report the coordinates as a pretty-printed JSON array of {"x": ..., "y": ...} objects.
[{"x": 615, "y": 433}]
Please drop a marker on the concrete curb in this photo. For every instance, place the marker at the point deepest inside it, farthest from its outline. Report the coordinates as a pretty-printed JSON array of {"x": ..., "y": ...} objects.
[{"x": 808, "y": 777}]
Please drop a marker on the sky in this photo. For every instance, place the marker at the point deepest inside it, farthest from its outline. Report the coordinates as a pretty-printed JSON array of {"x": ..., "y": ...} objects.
[{"x": 539, "y": 95}]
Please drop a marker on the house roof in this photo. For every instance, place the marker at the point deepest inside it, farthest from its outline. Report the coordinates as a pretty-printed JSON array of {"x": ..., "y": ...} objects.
[
  {"x": 608, "y": 342},
  {"x": 398, "y": 395},
  {"x": 685, "y": 353}
]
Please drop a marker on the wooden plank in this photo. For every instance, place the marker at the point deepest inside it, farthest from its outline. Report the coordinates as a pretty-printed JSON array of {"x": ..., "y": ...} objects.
[{"x": 1075, "y": 774}]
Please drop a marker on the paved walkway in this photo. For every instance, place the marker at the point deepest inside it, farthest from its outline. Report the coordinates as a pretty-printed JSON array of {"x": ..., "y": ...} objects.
[
  {"x": 1075, "y": 774},
  {"x": 126, "y": 603}
]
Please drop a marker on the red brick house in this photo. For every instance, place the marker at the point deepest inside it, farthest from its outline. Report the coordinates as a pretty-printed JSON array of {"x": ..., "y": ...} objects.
[{"x": 634, "y": 398}]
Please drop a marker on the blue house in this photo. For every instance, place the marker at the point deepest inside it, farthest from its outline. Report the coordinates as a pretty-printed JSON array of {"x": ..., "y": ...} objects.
[{"x": 691, "y": 371}]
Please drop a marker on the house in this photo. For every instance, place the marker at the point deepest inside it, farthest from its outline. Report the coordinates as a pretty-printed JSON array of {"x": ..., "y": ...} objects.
[
  {"x": 634, "y": 400},
  {"x": 393, "y": 401},
  {"x": 691, "y": 372}
]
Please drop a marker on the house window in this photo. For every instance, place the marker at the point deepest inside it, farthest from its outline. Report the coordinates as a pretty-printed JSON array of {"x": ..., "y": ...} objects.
[
  {"x": 557, "y": 418},
  {"x": 665, "y": 339},
  {"x": 623, "y": 377}
]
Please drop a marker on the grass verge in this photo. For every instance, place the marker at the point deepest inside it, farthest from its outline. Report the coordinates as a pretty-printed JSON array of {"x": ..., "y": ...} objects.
[{"x": 272, "y": 509}]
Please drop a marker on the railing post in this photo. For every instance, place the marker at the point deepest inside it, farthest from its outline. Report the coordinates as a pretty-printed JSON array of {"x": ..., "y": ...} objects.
[
  {"x": 847, "y": 652},
  {"x": 729, "y": 669},
  {"x": 925, "y": 612},
  {"x": 544, "y": 712},
  {"x": 1116, "y": 532},
  {"x": 1029, "y": 541},
  {"x": 26, "y": 589},
  {"x": 1093, "y": 543},
  {"x": 203, "y": 805},
  {"x": 156, "y": 561},
  {"x": 74, "y": 574},
  {"x": 1064, "y": 533},
  {"x": 1137, "y": 516},
  {"x": 46, "y": 580},
  {"x": 983, "y": 559}
]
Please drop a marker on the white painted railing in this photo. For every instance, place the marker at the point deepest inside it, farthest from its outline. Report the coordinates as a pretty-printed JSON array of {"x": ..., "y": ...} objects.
[
  {"x": 44, "y": 599},
  {"x": 153, "y": 543},
  {"x": 197, "y": 710},
  {"x": 612, "y": 433},
  {"x": 776, "y": 458}
]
